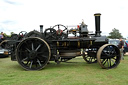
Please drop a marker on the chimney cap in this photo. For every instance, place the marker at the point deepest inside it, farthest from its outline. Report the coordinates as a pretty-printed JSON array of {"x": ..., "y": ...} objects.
[
  {"x": 97, "y": 14},
  {"x": 41, "y": 25}
]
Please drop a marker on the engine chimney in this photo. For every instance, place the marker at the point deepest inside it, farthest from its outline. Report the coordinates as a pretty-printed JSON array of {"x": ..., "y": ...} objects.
[
  {"x": 41, "y": 28},
  {"x": 97, "y": 24}
]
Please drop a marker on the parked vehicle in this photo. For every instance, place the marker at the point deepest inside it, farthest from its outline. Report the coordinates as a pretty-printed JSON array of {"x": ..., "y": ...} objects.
[
  {"x": 4, "y": 52},
  {"x": 116, "y": 42}
]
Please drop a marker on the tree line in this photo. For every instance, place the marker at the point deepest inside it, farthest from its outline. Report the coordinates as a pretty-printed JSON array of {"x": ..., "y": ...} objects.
[{"x": 8, "y": 35}]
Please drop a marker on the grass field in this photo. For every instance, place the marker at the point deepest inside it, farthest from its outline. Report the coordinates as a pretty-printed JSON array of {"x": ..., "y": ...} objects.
[{"x": 74, "y": 72}]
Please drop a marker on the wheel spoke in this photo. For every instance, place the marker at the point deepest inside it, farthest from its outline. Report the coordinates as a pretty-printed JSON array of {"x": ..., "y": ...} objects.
[
  {"x": 31, "y": 64},
  {"x": 24, "y": 59},
  {"x": 91, "y": 58},
  {"x": 43, "y": 50},
  {"x": 95, "y": 59},
  {"x": 113, "y": 50},
  {"x": 114, "y": 58},
  {"x": 38, "y": 47},
  {"x": 113, "y": 61},
  {"x": 110, "y": 62},
  {"x": 108, "y": 50},
  {"x": 32, "y": 46},
  {"x": 44, "y": 56},
  {"x": 39, "y": 62},
  {"x": 105, "y": 53},
  {"x": 104, "y": 62},
  {"x": 27, "y": 63},
  {"x": 28, "y": 50}
]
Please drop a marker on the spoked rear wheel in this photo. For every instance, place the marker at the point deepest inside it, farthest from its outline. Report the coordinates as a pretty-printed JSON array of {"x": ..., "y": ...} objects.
[
  {"x": 108, "y": 56},
  {"x": 33, "y": 53}
]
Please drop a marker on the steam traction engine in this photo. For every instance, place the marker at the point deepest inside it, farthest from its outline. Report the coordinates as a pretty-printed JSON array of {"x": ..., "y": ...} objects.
[{"x": 38, "y": 48}]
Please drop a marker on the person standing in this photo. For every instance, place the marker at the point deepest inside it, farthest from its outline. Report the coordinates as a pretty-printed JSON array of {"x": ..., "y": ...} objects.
[
  {"x": 2, "y": 36},
  {"x": 121, "y": 47}
]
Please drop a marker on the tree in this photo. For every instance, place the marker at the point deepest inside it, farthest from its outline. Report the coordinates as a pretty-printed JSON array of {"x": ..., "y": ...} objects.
[
  {"x": 12, "y": 33},
  {"x": 6, "y": 35},
  {"x": 115, "y": 34}
]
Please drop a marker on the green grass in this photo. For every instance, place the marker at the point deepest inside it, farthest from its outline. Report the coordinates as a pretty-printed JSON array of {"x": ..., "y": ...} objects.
[{"x": 74, "y": 72}]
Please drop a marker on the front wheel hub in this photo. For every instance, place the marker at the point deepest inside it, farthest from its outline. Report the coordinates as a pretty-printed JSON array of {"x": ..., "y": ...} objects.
[{"x": 32, "y": 54}]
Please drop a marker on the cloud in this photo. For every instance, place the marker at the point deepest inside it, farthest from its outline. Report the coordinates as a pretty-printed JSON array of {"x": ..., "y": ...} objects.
[
  {"x": 8, "y": 26},
  {"x": 12, "y": 2},
  {"x": 1, "y": 29},
  {"x": 8, "y": 22},
  {"x": 5, "y": 30}
]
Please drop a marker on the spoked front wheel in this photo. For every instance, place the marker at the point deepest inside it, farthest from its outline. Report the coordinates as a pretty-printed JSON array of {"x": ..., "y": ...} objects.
[
  {"x": 89, "y": 57},
  {"x": 108, "y": 56},
  {"x": 33, "y": 53}
]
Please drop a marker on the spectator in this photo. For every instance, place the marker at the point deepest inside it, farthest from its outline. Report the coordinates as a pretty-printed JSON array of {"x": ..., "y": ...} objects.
[
  {"x": 121, "y": 47},
  {"x": 2, "y": 38},
  {"x": 126, "y": 43}
]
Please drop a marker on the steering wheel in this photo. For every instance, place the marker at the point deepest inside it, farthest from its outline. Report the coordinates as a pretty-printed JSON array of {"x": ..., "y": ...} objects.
[
  {"x": 60, "y": 32},
  {"x": 58, "y": 25},
  {"x": 22, "y": 34}
]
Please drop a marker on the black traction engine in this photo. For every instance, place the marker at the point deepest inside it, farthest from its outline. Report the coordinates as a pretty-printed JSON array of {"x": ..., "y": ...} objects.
[{"x": 36, "y": 49}]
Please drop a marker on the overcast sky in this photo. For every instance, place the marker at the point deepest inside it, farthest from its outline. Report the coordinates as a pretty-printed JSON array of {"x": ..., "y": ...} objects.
[{"x": 27, "y": 15}]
